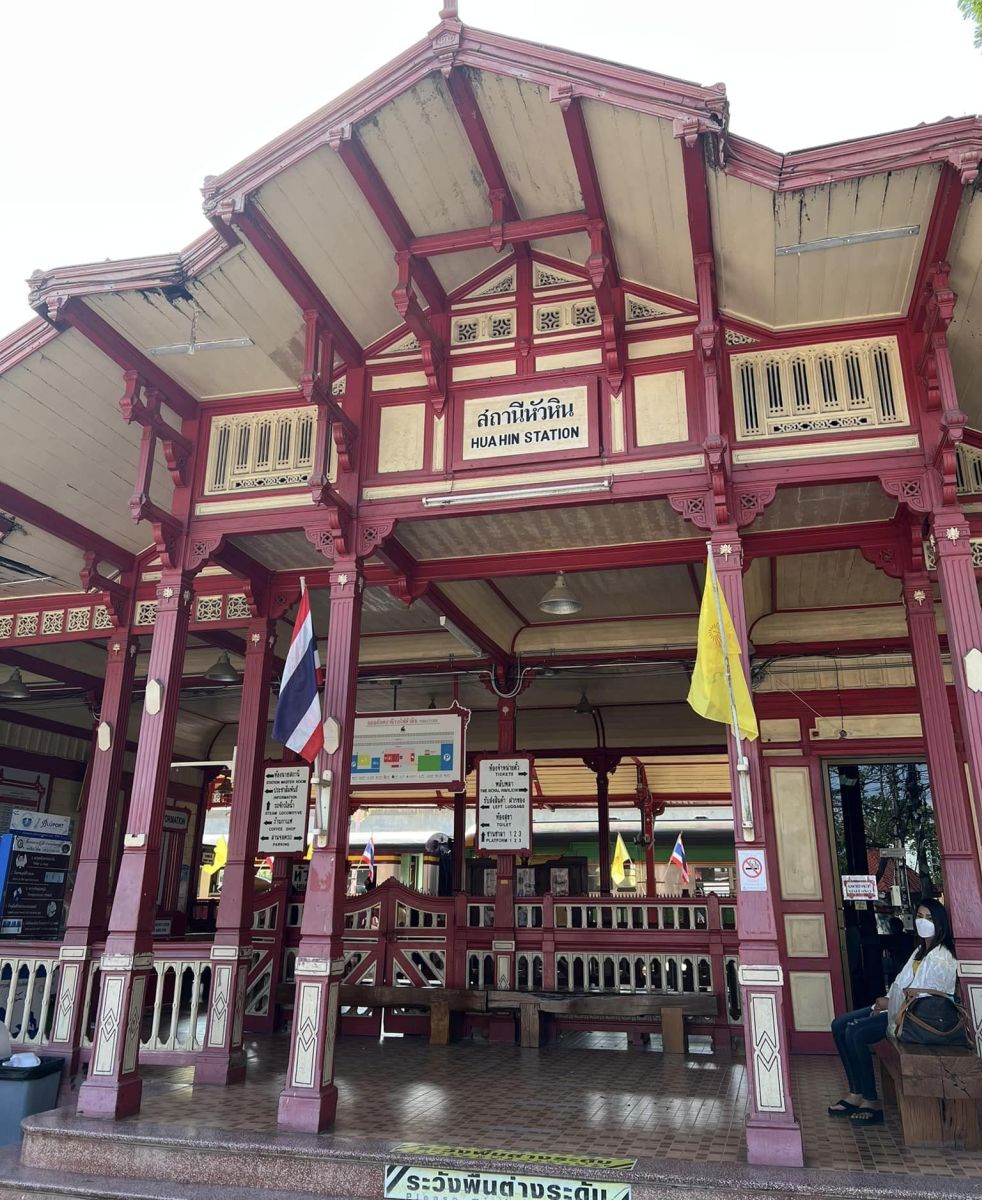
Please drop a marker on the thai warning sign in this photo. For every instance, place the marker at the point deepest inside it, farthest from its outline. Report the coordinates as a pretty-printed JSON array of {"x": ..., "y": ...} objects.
[
  {"x": 859, "y": 887},
  {"x": 504, "y": 804},
  {"x": 283, "y": 823},
  {"x": 752, "y": 869}
]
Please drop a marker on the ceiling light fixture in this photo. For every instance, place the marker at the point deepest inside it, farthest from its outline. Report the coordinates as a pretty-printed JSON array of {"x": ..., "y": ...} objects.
[
  {"x": 849, "y": 239},
  {"x": 584, "y": 706},
  {"x": 14, "y": 688},
  {"x": 559, "y": 601},
  {"x": 222, "y": 671},
  {"x": 526, "y": 493}
]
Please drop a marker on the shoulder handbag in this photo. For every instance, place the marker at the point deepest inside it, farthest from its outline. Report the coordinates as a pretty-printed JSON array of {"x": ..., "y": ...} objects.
[{"x": 930, "y": 1018}]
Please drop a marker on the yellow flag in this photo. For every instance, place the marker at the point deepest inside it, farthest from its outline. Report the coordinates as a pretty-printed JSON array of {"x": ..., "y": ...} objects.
[
  {"x": 709, "y": 694},
  {"x": 310, "y": 851},
  {"x": 221, "y": 857},
  {"x": 621, "y": 857}
]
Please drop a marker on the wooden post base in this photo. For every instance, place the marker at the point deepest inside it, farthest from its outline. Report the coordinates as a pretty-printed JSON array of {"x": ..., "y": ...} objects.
[
  {"x": 673, "y": 1037},
  {"x": 936, "y": 1091}
]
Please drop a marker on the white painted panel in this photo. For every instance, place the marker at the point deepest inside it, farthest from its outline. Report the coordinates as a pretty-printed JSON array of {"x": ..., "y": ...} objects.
[{"x": 794, "y": 824}]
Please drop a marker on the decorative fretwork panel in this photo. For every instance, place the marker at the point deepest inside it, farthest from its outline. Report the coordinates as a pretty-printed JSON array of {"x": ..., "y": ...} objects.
[
  {"x": 836, "y": 387},
  {"x": 146, "y": 612},
  {"x": 969, "y": 471},
  {"x": 631, "y": 972},
  {"x": 482, "y": 327},
  {"x": 567, "y": 317},
  {"x": 260, "y": 450}
]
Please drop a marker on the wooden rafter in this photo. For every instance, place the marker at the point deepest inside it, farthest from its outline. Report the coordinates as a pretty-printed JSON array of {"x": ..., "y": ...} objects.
[
  {"x": 34, "y": 512},
  {"x": 503, "y": 206},
  {"x": 275, "y": 253},
  {"x": 586, "y": 173}
]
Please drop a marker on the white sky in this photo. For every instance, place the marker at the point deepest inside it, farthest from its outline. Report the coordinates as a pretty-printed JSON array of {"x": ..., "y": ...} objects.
[{"x": 114, "y": 112}]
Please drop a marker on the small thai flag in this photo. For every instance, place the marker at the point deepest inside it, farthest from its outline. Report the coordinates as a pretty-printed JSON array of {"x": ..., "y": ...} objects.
[
  {"x": 368, "y": 858},
  {"x": 678, "y": 858},
  {"x": 298, "y": 723}
]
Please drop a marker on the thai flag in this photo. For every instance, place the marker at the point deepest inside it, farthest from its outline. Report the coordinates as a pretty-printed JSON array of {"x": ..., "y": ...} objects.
[
  {"x": 678, "y": 858},
  {"x": 368, "y": 858},
  {"x": 298, "y": 723}
]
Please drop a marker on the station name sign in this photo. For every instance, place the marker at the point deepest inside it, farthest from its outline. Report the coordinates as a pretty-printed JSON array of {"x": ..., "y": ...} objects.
[{"x": 558, "y": 422}]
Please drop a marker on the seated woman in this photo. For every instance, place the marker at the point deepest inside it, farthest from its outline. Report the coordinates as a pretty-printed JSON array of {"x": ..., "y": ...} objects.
[{"x": 932, "y": 966}]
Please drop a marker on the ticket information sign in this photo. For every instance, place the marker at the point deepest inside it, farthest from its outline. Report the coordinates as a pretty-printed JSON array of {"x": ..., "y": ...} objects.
[
  {"x": 504, "y": 804},
  {"x": 283, "y": 822},
  {"x": 412, "y": 749}
]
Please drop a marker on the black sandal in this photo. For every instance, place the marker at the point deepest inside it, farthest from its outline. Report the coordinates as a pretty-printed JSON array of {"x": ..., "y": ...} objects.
[
  {"x": 867, "y": 1116},
  {"x": 842, "y": 1108}
]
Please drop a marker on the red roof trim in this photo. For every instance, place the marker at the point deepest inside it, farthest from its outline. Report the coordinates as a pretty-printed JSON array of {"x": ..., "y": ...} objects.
[{"x": 23, "y": 342}]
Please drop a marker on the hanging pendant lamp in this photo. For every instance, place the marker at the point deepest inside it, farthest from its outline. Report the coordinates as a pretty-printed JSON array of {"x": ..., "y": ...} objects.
[
  {"x": 222, "y": 671},
  {"x": 559, "y": 601},
  {"x": 14, "y": 688}
]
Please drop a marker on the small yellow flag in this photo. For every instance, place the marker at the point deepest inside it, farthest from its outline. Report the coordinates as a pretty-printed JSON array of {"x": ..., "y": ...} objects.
[
  {"x": 221, "y": 857},
  {"x": 621, "y": 858},
  {"x": 310, "y": 851},
  {"x": 709, "y": 693}
]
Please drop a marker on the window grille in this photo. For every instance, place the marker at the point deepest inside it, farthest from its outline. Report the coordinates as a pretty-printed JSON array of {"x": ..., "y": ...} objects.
[
  {"x": 808, "y": 390},
  {"x": 259, "y": 451},
  {"x": 482, "y": 327},
  {"x": 557, "y": 318}
]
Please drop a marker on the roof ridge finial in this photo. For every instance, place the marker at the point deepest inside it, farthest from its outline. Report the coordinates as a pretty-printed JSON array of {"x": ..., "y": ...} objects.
[{"x": 449, "y": 11}]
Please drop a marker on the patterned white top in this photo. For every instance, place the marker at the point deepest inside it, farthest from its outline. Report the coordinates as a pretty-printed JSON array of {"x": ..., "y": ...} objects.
[{"x": 936, "y": 972}]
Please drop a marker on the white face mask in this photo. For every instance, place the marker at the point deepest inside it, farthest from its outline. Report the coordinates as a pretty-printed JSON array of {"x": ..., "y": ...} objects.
[{"x": 925, "y": 928}]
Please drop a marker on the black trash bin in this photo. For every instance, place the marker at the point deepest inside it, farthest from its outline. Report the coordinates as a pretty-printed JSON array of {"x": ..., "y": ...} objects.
[{"x": 27, "y": 1090}]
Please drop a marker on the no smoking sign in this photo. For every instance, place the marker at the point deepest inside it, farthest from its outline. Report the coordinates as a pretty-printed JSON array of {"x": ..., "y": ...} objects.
[{"x": 752, "y": 867}]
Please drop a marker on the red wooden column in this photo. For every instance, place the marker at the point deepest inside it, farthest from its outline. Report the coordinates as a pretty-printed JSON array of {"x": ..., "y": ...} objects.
[
  {"x": 963, "y": 625},
  {"x": 113, "y": 1086},
  {"x": 89, "y": 905},
  {"x": 956, "y": 837},
  {"x": 309, "y": 1101},
  {"x": 459, "y": 840},
  {"x": 773, "y": 1134},
  {"x": 503, "y": 945},
  {"x": 222, "y": 1059},
  {"x": 648, "y": 831},
  {"x": 603, "y": 825}
]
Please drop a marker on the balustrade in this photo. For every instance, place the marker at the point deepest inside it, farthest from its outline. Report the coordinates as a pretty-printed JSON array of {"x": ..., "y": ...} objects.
[{"x": 28, "y": 991}]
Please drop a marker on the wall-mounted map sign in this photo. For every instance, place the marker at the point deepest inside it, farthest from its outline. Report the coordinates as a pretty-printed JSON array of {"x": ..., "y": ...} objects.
[
  {"x": 504, "y": 804},
  {"x": 559, "y": 422},
  {"x": 422, "y": 749},
  {"x": 283, "y": 821}
]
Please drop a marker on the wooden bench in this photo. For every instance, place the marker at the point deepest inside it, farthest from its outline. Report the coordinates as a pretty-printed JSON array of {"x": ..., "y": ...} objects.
[
  {"x": 936, "y": 1089},
  {"x": 440, "y": 1001},
  {"x": 670, "y": 1008}
]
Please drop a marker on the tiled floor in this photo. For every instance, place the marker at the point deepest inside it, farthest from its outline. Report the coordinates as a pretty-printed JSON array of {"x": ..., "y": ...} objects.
[{"x": 587, "y": 1094}]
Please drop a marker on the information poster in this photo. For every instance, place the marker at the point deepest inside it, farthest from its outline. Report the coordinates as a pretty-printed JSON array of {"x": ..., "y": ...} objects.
[
  {"x": 859, "y": 887},
  {"x": 283, "y": 822},
  {"x": 410, "y": 749},
  {"x": 504, "y": 805},
  {"x": 33, "y": 877}
]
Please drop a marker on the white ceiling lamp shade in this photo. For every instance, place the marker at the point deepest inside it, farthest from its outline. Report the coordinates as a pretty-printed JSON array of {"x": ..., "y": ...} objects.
[{"x": 560, "y": 601}]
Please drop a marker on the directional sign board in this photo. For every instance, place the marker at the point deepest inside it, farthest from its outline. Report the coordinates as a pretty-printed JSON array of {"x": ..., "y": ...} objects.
[
  {"x": 504, "y": 805},
  {"x": 283, "y": 823}
]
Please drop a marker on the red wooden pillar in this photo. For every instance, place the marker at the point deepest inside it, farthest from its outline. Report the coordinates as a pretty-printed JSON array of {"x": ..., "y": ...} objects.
[
  {"x": 89, "y": 905},
  {"x": 222, "y": 1059},
  {"x": 503, "y": 945},
  {"x": 113, "y": 1086},
  {"x": 963, "y": 625},
  {"x": 603, "y": 826},
  {"x": 955, "y": 833},
  {"x": 309, "y": 1101},
  {"x": 648, "y": 831},
  {"x": 773, "y": 1134},
  {"x": 459, "y": 839}
]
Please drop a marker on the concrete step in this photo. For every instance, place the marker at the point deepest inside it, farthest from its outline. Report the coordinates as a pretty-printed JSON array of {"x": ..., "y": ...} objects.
[{"x": 64, "y": 1155}]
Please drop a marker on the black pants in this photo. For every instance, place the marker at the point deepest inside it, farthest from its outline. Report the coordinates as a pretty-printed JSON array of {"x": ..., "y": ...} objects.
[{"x": 854, "y": 1033}]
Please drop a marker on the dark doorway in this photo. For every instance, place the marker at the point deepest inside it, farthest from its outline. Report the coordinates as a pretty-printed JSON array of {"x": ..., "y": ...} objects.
[{"x": 883, "y": 819}]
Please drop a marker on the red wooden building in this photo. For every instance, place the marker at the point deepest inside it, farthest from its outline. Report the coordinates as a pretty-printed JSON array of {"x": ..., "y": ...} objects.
[{"x": 499, "y": 312}]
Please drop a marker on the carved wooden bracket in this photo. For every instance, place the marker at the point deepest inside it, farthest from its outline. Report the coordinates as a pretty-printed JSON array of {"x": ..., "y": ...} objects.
[
  {"x": 200, "y": 549},
  {"x": 114, "y": 595},
  {"x": 372, "y": 535},
  {"x": 600, "y": 273},
  {"x": 749, "y": 505},
  {"x": 141, "y": 405},
  {"x": 888, "y": 558},
  {"x": 332, "y": 421},
  {"x": 432, "y": 349},
  {"x": 331, "y": 536},
  {"x": 692, "y": 506},
  {"x": 911, "y": 490}
]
